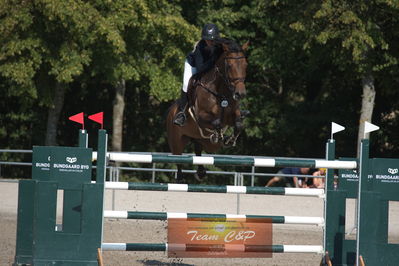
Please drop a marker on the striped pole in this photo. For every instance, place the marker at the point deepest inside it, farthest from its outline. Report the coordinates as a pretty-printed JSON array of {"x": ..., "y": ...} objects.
[
  {"x": 226, "y": 160},
  {"x": 310, "y": 192},
  {"x": 168, "y": 215},
  {"x": 165, "y": 247}
]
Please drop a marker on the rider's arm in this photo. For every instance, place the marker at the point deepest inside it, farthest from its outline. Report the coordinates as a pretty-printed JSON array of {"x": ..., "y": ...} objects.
[{"x": 204, "y": 60}]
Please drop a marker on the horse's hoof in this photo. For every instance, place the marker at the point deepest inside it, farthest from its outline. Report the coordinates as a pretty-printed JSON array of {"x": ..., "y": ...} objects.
[
  {"x": 180, "y": 179},
  {"x": 199, "y": 178},
  {"x": 229, "y": 141},
  {"x": 200, "y": 175}
]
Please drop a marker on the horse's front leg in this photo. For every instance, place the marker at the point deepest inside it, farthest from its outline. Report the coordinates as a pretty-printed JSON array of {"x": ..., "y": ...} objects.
[
  {"x": 238, "y": 128},
  {"x": 201, "y": 171},
  {"x": 179, "y": 175}
]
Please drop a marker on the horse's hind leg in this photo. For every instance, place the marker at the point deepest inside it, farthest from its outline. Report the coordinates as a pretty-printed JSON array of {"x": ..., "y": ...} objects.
[
  {"x": 177, "y": 149},
  {"x": 179, "y": 175},
  {"x": 201, "y": 171}
]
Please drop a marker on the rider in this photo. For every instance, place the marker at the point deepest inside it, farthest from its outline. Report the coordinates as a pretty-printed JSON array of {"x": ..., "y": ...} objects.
[{"x": 200, "y": 60}]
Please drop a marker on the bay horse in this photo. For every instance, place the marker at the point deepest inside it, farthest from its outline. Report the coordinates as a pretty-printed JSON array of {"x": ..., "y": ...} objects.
[{"x": 214, "y": 106}]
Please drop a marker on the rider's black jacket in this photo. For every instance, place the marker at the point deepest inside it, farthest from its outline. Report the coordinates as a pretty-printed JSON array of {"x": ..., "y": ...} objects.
[{"x": 204, "y": 57}]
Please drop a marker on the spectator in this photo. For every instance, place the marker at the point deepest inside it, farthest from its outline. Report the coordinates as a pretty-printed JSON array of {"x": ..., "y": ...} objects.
[
  {"x": 289, "y": 181},
  {"x": 319, "y": 182}
]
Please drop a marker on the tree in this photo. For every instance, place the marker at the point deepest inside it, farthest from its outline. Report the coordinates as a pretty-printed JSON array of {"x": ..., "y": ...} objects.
[
  {"x": 358, "y": 33},
  {"x": 46, "y": 45}
]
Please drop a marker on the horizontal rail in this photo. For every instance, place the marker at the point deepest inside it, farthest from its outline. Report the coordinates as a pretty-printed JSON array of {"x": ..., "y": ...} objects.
[
  {"x": 181, "y": 247},
  {"x": 311, "y": 192},
  {"x": 170, "y": 215},
  {"x": 227, "y": 160}
]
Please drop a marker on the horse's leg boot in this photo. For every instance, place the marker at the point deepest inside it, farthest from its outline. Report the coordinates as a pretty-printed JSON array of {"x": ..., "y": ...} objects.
[{"x": 180, "y": 117}]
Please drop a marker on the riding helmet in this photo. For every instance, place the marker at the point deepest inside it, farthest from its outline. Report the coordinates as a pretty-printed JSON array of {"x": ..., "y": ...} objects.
[{"x": 210, "y": 32}]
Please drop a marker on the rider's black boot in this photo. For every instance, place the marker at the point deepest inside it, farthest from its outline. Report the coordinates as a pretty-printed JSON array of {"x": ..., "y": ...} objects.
[{"x": 180, "y": 117}]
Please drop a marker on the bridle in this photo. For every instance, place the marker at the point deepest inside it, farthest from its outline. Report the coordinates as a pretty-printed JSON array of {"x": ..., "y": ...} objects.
[{"x": 232, "y": 82}]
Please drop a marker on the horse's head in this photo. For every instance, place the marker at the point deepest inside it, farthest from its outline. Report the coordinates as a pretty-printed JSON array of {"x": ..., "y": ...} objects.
[{"x": 235, "y": 68}]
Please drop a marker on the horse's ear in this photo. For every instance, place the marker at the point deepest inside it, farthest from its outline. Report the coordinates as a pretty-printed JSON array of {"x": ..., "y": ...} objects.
[{"x": 245, "y": 46}]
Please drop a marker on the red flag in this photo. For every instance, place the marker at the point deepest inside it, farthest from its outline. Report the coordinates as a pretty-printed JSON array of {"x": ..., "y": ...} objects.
[
  {"x": 78, "y": 118},
  {"x": 98, "y": 118}
]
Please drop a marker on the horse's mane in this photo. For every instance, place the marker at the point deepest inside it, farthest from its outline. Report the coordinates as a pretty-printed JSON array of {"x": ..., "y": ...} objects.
[{"x": 232, "y": 44}]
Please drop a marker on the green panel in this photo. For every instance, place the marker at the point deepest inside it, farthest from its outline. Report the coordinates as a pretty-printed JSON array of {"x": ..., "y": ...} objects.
[
  {"x": 92, "y": 221},
  {"x": 69, "y": 166},
  {"x": 59, "y": 247},
  {"x": 294, "y": 163},
  {"x": 390, "y": 255},
  {"x": 233, "y": 161},
  {"x": 205, "y": 188},
  {"x": 72, "y": 211},
  {"x": 340, "y": 250},
  {"x": 24, "y": 244},
  {"x": 44, "y": 221},
  {"x": 370, "y": 232},
  {"x": 41, "y": 163},
  {"x": 349, "y": 181},
  {"x": 386, "y": 177},
  {"x": 148, "y": 186}
]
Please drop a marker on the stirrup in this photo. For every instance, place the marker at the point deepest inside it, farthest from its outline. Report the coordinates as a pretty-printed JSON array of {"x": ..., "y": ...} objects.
[{"x": 180, "y": 118}]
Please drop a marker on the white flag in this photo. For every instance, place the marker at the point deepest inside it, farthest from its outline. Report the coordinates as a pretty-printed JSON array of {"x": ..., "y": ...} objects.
[
  {"x": 336, "y": 128},
  {"x": 368, "y": 127}
]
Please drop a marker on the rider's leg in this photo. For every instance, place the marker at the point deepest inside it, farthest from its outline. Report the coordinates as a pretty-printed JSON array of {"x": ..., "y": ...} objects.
[{"x": 180, "y": 117}]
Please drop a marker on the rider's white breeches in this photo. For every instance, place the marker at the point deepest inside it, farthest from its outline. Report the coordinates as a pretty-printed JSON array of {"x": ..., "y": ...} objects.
[{"x": 189, "y": 71}]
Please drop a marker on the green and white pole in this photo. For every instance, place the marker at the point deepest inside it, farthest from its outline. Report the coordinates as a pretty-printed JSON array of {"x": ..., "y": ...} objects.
[
  {"x": 163, "y": 216},
  {"x": 165, "y": 247}
]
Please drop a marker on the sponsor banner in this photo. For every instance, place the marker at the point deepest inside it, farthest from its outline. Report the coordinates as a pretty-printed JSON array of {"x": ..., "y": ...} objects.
[
  {"x": 69, "y": 166},
  {"x": 219, "y": 238},
  {"x": 386, "y": 170}
]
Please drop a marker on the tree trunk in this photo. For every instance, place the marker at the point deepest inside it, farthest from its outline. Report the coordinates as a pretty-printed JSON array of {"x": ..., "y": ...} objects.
[
  {"x": 118, "y": 109},
  {"x": 54, "y": 114},
  {"x": 366, "y": 112}
]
